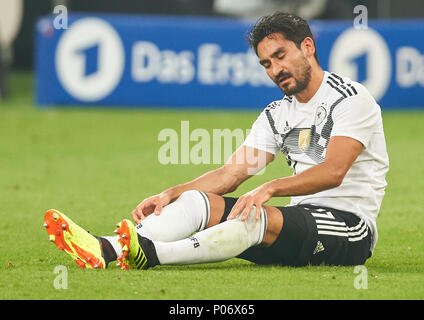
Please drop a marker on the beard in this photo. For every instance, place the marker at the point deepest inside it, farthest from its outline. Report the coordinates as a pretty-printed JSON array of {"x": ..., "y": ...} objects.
[{"x": 302, "y": 78}]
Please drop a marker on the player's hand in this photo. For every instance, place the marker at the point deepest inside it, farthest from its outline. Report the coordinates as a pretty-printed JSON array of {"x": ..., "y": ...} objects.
[
  {"x": 150, "y": 205},
  {"x": 244, "y": 204}
]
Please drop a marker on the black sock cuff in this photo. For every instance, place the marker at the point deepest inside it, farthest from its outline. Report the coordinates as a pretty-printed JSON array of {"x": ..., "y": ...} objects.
[{"x": 108, "y": 252}]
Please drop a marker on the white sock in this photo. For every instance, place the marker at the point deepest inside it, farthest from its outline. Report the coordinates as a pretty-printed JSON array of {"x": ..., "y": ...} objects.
[
  {"x": 188, "y": 214},
  {"x": 218, "y": 243}
]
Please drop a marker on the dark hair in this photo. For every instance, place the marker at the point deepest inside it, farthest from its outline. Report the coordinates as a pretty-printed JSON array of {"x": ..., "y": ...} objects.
[{"x": 292, "y": 27}]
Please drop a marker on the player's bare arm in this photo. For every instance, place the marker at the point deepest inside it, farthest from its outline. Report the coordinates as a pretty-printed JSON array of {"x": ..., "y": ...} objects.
[
  {"x": 341, "y": 153},
  {"x": 243, "y": 163}
]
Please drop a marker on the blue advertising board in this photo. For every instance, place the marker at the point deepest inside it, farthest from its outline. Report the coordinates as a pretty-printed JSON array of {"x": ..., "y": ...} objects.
[{"x": 136, "y": 60}]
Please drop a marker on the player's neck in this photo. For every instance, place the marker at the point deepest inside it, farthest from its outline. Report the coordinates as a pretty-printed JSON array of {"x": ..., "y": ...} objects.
[{"x": 317, "y": 74}]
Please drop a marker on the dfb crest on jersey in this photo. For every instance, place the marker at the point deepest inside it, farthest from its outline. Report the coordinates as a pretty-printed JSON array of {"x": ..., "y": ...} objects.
[
  {"x": 304, "y": 139},
  {"x": 321, "y": 114}
]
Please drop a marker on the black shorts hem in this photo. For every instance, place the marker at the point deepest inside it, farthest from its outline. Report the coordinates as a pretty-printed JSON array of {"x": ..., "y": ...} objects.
[{"x": 342, "y": 238}]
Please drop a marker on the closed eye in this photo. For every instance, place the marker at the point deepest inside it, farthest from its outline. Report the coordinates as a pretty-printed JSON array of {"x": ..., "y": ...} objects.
[{"x": 265, "y": 63}]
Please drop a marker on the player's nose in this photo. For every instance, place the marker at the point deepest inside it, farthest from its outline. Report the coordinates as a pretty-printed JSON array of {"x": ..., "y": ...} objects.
[{"x": 276, "y": 69}]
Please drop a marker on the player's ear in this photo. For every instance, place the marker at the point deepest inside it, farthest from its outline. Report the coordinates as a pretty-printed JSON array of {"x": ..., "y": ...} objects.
[{"x": 308, "y": 47}]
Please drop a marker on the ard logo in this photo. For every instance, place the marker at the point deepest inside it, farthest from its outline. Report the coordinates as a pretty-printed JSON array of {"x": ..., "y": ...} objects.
[{"x": 304, "y": 138}]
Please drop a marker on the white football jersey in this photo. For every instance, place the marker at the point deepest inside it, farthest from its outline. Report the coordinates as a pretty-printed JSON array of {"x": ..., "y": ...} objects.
[{"x": 301, "y": 131}]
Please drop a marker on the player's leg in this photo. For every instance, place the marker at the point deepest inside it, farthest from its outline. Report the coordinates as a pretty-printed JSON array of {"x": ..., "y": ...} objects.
[
  {"x": 223, "y": 241},
  {"x": 315, "y": 235},
  {"x": 219, "y": 242},
  {"x": 192, "y": 212},
  {"x": 295, "y": 236}
]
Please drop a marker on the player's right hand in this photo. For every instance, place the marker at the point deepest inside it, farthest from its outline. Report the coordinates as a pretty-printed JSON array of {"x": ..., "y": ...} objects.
[{"x": 153, "y": 204}]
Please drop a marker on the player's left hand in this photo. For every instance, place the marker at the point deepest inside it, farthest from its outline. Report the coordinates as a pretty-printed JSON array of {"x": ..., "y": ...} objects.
[{"x": 257, "y": 197}]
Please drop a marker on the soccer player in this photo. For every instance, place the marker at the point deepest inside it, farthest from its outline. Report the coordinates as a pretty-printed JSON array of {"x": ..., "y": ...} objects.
[{"x": 330, "y": 130}]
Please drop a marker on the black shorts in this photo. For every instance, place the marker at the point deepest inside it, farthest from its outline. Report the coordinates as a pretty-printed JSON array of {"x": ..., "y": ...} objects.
[{"x": 313, "y": 235}]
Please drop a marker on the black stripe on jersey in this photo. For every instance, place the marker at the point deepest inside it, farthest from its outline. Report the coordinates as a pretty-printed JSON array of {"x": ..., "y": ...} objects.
[
  {"x": 339, "y": 85},
  {"x": 353, "y": 88},
  {"x": 333, "y": 80},
  {"x": 337, "y": 77},
  {"x": 272, "y": 105},
  {"x": 328, "y": 126},
  {"x": 274, "y": 130},
  {"x": 288, "y": 98},
  {"x": 342, "y": 85},
  {"x": 337, "y": 89},
  {"x": 271, "y": 122},
  {"x": 346, "y": 89}
]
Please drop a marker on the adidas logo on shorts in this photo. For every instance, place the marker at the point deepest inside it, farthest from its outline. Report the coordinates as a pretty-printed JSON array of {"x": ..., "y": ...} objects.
[{"x": 319, "y": 247}]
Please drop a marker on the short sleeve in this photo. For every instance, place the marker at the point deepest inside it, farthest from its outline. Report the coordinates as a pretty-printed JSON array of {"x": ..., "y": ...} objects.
[
  {"x": 261, "y": 136},
  {"x": 356, "y": 117}
]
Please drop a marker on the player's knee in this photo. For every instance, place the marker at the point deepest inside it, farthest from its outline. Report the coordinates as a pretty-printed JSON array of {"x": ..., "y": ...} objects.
[
  {"x": 188, "y": 195},
  {"x": 188, "y": 198},
  {"x": 251, "y": 218},
  {"x": 255, "y": 227},
  {"x": 196, "y": 206}
]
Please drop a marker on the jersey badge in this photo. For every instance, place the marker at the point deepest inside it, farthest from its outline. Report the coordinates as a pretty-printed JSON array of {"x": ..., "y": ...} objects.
[
  {"x": 304, "y": 139},
  {"x": 321, "y": 114}
]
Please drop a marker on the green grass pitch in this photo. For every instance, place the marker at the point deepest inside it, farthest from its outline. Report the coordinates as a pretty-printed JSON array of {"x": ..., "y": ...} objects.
[{"x": 97, "y": 164}]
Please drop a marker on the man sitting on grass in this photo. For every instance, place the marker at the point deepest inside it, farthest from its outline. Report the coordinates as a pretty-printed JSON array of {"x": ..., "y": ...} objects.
[{"x": 330, "y": 130}]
